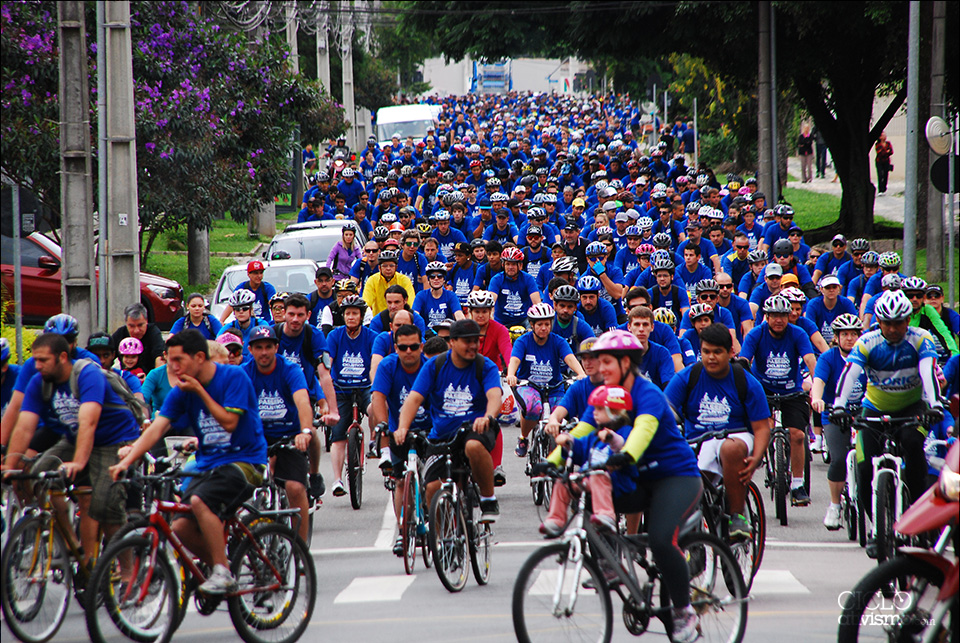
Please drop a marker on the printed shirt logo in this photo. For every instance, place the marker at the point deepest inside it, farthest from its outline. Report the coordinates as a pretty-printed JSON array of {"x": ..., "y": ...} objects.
[
  {"x": 827, "y": 331},
  {"x": 67, "y": 409},
  {"x": 352, "y": 365},
  {"x": 457, "y": 400},
  {"x": 421, "y": 411},
  {"x": 713, "y": 411},
  {"x": 292, "y": 357},
  {"x": 533, "y": 268},
  {"x": 272, "y": 406},
  {"x": 212, "y": 435},
  {"x": 462, "y": 288},
  {"x": 513, "y": 303},
  {"x": 438, "y": 314},
  {"x": 541, "y": 372},
  {"x": 778, "y": 366}
]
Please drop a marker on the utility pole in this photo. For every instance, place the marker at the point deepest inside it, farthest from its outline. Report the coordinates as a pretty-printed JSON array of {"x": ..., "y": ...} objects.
[
  {"x": 346, "y": 56},
  {"x": 78, "y": 288},
  {"x": 296, "y": 163},
  {"x": 935, "y": 210},
  {"x": 765, "y": 146},
  {"x": 913, "y": 128},
  {"x": 774, "y": 193},
  {"x": 122, "y": 218}
]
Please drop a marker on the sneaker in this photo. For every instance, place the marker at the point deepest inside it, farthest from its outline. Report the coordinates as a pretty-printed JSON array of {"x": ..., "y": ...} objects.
[
  {"x": 386, "y": 464},
  {"x": 686, "y": 625},
  {"x": 338, "y": 489},
  {"x": 398, "y": 546},
  {"x": 489, "y": 510},
  {"x": 816, "y": 445},
  {"x": 740, "y": 528},
  {"x": 522, "y": 447},
  {"x": 317, "y": 486},
  {"x": 832, "y": 520},
  {"x": 499, "y": 477},
  {"x": 220, "y": 582},
  {"x": 605, "y": 523},
  {"x": 799, "y": 497},
  {"x": 872, "y": 550},
  {"x": 551, "y": 529}
]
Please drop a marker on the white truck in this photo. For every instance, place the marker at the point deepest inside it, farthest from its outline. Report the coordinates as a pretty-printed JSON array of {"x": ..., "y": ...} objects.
[{"x": 405, "y": 121}]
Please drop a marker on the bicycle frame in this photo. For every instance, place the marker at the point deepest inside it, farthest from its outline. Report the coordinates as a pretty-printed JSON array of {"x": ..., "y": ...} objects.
[{"x": 892, "y": 463}]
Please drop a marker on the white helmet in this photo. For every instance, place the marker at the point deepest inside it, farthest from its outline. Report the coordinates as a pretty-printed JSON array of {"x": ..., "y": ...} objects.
[
  {"x": 893, "y": 305},
  {"x": 540, "y": 311},
  {"x": 481, "y": 299},
  {"x": 242, "y": 297}
]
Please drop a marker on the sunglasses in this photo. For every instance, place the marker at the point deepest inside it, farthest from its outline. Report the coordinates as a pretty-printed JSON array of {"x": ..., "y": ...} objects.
[
  {"x": 914, "y": 295},
  {"x": 708, "y": 297},
  {"x": 371, "y": 250},
  {"x": 747, "y": 247},
  {"x": 837, "y": 244},
  {"x": 411, "y": 244},
  {"x": 235, "y": 351},
  {"x": 726, "y": 286},
  {"x": 781, "y": 255},
  {"x": 242, "y": 308},
  {"x": 407, "y": 347}
]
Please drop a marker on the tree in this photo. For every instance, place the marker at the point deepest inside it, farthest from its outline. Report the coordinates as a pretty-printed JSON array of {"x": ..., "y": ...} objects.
[{"x": 214, "y": 113}]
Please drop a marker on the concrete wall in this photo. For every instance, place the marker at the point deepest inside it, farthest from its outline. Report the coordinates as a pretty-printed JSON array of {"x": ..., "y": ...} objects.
[{"x": 897, "y": 135}]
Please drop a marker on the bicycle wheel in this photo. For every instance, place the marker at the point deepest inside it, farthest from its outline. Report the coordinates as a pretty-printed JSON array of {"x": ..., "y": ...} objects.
[
  {"x": 355, "y": 465},
  {"x": 717, "y": 591},
  {"x": 557, "y": 599},
  {"x": 134, "y": 595},
  {"x": 533, "y": 457},
  {"x": 886, "y": 515},
  {"x": 849, "y": 514},
  {"x": 37, "y": 579},
  {"x": 448, "y": 541},
  {"x": 422, "y": 536},
  {"x": 278, "y": 582},
  {"x": 782, "y": 481},
  {"x": 408, "y": 522},
  {"x": 749, "y": 553},
  {"x": 873, "y": 612},
  {"x": 480, "y": 541}
]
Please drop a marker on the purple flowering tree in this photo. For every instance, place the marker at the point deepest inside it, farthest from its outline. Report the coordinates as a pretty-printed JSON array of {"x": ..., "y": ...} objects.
[{"x": 215, "y": 112}]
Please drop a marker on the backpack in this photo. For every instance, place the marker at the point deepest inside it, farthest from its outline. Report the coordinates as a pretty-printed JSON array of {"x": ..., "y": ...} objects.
[
  {"x": 140, "y": 412},
  {"x": 206, "y": 323},
  {"x": 477, "y": 365},
  {"x": 739, "y": 379},
  {"x": 307, "y": 348}
]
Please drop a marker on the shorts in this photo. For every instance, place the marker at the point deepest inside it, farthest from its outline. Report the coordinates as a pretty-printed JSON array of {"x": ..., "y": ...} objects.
[
  {"x": 43, "y": 440},
  {"x": 108, "y": 499},
  {"x": 435, "y": 466},
  {"x": 223, "y": 490},
  {"x": 345, "y": 409},
  {"x": 398, "y": 456},
  {"x": 795, "y": 413},
  {"x": 709, "y": 458},
  {"x": 531, "y": 405},
  {"x": 289, "y": 465}
]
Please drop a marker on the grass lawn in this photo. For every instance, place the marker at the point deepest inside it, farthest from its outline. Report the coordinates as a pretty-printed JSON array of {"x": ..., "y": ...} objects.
[
  {"x": 813, "y": 209},
  {"x": 175, "y": 267},
  {"x": 226, "y": 235}
]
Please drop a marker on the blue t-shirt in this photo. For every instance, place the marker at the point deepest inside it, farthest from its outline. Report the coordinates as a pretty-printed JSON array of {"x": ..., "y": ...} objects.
[
  {"x": 513, "y": 297},
  {"x": 828, "y": 264},
  {"x": 292, "y": 349},
  {"x": 740, "y": 311},
  {"x": 261, "y": 305},
  {"x": 61, "y": 412},
  {"x": 274, "y": 390},
  {"x": 383, "y": 344},
  {"x": 6, "y": 388},
  {"x": 454, "y": 395},
  {"x": 542, "y": 365},
  {"x": 350, "y": 356},
  {"x": 435, "y": 310},
  {"x": 687, "y": 280},
  {"x": 462, "y": 280},
  {"x": 675, "y": 301},
  {"x": 714, "y": 404},
  {"x": 664, "y": 335},
  {"x": 848, "y": 272},
  {"x": 720, "y": 315},
  {"x": 446, "y": 243},
  {"x": 822, "y": 318},
  {"x": 29, "y": 368},
  {"x": 829, "y": 367},
  {"x": 230, "y": 388},
  {"x": 395, "y": 383},
  {"x": 584, "y": 331},
  {"x": 184, "y": 323},
  {"x": 668, "y": 454},
  {"x": 657, "y": 365},
  {"x": 602, "y": 318},
  {"x": 688, "y": 355},
  {"x": 776, "y": 361},
  {"x": 414, "y": 269},
  {"x": 376, "y": 324},
  {"x": 575, "y": 399},
  {"x": 692, "y": 338}
]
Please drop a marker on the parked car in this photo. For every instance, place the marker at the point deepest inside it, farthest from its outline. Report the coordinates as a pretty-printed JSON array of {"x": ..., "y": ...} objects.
[
  {"x": 40, "y": 267},
  {"x": 311, "y": 240},
  {"x": 286, "y": 275}
]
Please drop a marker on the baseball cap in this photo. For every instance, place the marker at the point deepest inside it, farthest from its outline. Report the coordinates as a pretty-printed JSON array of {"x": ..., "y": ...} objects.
[
  {"x": 934, "y": 288},
  {"x": 229, "y": 339},
  {"x": 571, "y": 227},
  {"x": 789, "y": 279},
  {"x": 254, "y": 266},
  {"x": 829, "y": 280},
  {"x": 323, "y": 271},
  {"x": 462, "y": 246},
  {"x": 621, "y": 217},
  {"x": 263, "y": 332},
  {"x": 101, "y": 341},
  {"x": 534, "y": 230},
  {"x": 579, "y": 203},
  {"x": 464, "y": 328},
  {"x": 839, "y": 237},
  {"x": 773, "y": 269}
]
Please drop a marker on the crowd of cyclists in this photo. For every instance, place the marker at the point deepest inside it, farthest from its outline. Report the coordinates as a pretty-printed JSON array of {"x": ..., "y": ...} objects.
[{"x": 527, "y": 250}]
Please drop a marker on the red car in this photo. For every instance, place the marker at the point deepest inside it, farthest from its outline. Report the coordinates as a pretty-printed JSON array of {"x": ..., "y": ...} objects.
[{"x": 40, "y": 259}]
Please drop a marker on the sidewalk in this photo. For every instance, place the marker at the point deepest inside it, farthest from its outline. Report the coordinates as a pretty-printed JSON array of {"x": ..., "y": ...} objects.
[{"x": 889, "y": 207}]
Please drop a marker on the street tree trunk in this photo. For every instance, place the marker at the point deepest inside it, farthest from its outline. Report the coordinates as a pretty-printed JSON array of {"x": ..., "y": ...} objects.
[{"x": 198, "y": 254}]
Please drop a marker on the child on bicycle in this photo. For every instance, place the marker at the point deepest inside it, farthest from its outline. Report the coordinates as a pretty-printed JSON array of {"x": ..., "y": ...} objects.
[
  {"x": 130, "y": 350},
  {"x": 611, "y": 407}
]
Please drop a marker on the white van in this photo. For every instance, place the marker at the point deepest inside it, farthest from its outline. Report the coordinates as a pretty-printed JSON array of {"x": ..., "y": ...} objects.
[{"x": 405, "y": 121}]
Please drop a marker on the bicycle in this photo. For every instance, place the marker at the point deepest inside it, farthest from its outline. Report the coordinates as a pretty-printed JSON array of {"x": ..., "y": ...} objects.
[
  {"x": 777, "y": 462},
  {"x": 541, "y": 444},
  {"x": 748, "y": 552},
  {"x": 271, "y": 497},
  {"x": 356, "y": 452},
  {"x": 561, "y": 592},
  {"x": 455, "y": 533},
  {"x": 41, "y": 564},
  {"x": 413, "y": 509},
  {"x": 137, "y": 591}
]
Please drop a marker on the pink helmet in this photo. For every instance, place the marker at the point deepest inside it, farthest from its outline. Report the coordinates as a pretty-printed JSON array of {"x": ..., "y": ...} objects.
[
  {"x": 645, "y": 249},
  {"x": 130, "y": 346},
  {"x": 617, "y": 342}
]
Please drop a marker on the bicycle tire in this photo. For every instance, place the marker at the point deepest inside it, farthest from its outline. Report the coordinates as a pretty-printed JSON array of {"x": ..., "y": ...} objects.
[
  {"x": 297, "y": 597},
  {"x": 886, "y": 516},
  {"x": 21, "y": 609},
  {"x": 717, "y": 589},
  {"x": 408, "y": 522},
  {"x": 807, "y": 459},
  {"x": 355, "y": 465},
  {"x": 425, "y": 553},
  {"x": 479, "y": 543},
  {"x": 782, "y": 481},
  {"x": 448, "y": 541},
  {"x": 161, "y": 617},
  {"x": 758, "y": 521},
  {"x": 921, "y": 581},
  {"x": 536, "y": 620},
  {"x": 533, "y": 457}
]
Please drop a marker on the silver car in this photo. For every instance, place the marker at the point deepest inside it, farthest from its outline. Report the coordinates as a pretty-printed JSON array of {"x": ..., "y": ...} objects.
[
  {"x": 311, "y": 240},
  {"x": 286, "y": 275}
]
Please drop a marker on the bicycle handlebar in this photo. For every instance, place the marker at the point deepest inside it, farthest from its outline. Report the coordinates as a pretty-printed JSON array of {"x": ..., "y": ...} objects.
[{"x": 711, "y": 435}]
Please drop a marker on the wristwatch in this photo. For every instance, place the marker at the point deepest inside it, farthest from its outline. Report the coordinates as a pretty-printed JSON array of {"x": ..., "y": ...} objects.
[{"x": 306, "y": 431}]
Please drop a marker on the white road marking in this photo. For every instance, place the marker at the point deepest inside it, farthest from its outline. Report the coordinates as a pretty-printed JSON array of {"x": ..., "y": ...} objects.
[
  {"x": 375, "y": 589},
  {"x": 384, "y": 541},
  {"x": 776, "y": 581}
]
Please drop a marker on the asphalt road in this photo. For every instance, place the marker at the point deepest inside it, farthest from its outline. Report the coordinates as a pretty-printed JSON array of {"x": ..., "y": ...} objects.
[{"x": 364, "y": 594}]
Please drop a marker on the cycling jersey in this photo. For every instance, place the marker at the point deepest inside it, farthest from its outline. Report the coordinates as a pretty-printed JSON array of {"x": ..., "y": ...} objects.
[
  {"x": 454, "y": 395},
  {"x": 893, "y": 370}
]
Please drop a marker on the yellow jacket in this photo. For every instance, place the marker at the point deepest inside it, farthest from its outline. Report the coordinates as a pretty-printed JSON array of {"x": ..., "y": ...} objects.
[{"x": 374, "y": 291}]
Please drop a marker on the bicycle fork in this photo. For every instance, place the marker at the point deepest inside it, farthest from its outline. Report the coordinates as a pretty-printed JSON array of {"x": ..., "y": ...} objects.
[{"x": 882, "y": 463}]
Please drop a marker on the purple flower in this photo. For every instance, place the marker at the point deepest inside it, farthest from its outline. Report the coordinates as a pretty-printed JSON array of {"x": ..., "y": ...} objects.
[{"x": 150, "y": 147}]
